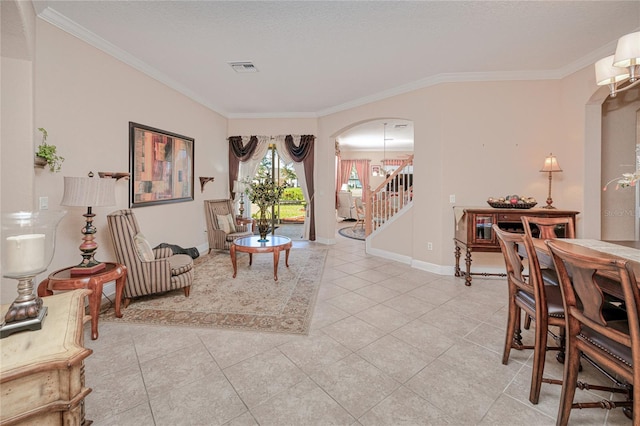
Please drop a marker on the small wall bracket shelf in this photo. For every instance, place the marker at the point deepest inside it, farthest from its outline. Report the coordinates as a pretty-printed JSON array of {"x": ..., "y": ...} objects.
[
  {"x": 204, "y": 181},
  {"x": 115, "y": 175}
]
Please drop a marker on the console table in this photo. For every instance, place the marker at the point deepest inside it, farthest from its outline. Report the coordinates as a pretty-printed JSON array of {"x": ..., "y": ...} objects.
[
  {"x": 42, "y": 372},
  {"x": 473, "y": 231}
]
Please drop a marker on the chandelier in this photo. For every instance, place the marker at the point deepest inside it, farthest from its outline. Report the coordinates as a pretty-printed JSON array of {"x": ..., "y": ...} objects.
[{"x": 621, "y": 71}]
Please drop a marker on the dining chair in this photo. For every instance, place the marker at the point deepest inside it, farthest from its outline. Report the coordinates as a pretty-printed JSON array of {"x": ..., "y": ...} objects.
[
  {"x": 359, "y": 210},
  {"x": 612, "y": 345},
  {"x": 547, "y": 227},
  {"x": 542, "y": 303}
]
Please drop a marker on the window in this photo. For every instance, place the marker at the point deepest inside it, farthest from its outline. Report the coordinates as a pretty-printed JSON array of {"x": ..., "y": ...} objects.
[{"x": 355, "y": 186}]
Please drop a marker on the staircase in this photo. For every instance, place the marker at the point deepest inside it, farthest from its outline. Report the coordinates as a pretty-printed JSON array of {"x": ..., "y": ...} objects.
[{"x": 389, "y": 198}]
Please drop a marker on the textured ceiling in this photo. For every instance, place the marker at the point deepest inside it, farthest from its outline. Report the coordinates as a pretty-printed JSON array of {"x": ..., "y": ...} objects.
[{"x": 315, "y": 58}]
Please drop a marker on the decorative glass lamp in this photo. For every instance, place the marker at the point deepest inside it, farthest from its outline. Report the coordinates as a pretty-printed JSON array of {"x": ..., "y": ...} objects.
[{"x": 28, "y": 243}]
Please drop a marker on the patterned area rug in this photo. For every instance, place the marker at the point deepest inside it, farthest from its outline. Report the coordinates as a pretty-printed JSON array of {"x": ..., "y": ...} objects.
[
  {"x": 251, "y": 301},
  {"x": 349, "y": 232}
]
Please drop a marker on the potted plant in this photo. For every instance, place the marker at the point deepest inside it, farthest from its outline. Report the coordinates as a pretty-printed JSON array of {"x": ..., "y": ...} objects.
[
  {"x": 46, "y": 154},
  {"x": 265, "y": 193}
]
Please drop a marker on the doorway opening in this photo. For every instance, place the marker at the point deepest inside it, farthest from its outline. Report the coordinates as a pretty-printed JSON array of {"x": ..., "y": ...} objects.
[{"x": 288, "y": 216}]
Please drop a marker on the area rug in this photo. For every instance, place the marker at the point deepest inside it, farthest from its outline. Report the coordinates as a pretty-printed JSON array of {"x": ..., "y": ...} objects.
[
  {"x": 251, "y": 301},
  {"x": 349, "y": 232}
]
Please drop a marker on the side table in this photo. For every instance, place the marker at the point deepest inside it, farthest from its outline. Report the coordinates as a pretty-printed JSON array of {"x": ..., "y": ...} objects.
[
  {"x": 245, "y": 221},
  {"x": 63, "y": 280}
]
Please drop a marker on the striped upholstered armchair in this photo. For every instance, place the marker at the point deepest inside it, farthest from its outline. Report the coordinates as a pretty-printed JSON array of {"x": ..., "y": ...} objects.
[
  {"x": 149, "y": 270},
  {"x": 222, "y": 232}
]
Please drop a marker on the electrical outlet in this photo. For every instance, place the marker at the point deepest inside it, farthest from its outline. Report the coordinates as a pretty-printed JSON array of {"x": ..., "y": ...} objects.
[
  {"x": 452, "y": 198},
  {"x": 44, "y": 203},
  {"x": 429, "y": 246}
]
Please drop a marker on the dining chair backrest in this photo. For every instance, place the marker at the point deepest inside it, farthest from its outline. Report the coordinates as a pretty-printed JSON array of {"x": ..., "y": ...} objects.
[
  {"x": 613, "y": 345},
  {"x": 514, "y": 264},
  {"x": 548, "y": 226}
]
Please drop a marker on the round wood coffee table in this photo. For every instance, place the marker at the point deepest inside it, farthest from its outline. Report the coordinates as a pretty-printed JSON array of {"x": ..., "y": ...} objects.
[{"x": 275, "y": 245}]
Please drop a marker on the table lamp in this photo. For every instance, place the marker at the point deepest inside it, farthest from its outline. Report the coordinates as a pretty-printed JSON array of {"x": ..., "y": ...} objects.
[
  {"x": 88, "y": 192},
  {"x": 550, "y": 165},
  {"x": 28, "y": 243},
  {"x": 238, "y": 187}
]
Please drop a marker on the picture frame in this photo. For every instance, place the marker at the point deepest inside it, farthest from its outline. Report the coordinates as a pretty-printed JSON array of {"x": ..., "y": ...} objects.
[
  {"x": 376, "y": 170},
  {"x": 161, "y": 166}
]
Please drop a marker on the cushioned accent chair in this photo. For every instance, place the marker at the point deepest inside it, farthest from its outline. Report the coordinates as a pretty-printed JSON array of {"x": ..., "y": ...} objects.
[
  {"x": 345, "y": 205},
  {"x": 218, "y": 237},
  {"x": 157, "y": 270}
]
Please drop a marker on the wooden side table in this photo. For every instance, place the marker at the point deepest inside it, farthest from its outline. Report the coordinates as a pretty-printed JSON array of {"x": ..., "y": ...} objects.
[
  {"x": 63, "y": 280},
  {"x": 245, "y": 221}
]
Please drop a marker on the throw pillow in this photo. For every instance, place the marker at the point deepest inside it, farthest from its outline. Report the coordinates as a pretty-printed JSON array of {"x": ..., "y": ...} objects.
[
  {"x": 143, "y": 248},
  {"x": 226, "y": 223}
]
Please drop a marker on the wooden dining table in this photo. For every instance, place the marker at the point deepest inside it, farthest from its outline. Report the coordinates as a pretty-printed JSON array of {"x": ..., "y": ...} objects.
[{"x": 626, "y": 250}]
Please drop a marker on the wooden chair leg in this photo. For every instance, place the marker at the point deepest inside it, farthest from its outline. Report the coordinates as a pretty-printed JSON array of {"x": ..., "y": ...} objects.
[
  {"x": 187, "y": 289},
  {"x": 126, "y": 302},
  {"x": 512, "y": 323},
  {"x": 539, "y": 354},
  {"x": 527, "y": 322},
  {"x": 569, "y": 382}
]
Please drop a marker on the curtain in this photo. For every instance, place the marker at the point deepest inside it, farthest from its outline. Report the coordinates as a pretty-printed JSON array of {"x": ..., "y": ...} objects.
[
  {"x": 300, "y": 151},
  {"x": 343, "y": 173},
  {"x": 240, "y": 149},
  {"x": 362, "y": 169},
  {"x": 249, "y": 167}
]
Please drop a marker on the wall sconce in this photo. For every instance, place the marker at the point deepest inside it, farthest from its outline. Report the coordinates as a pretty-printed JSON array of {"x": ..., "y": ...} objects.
[
  {"x": 204, "y": 181},
  {"x": 551, "y": 166}
]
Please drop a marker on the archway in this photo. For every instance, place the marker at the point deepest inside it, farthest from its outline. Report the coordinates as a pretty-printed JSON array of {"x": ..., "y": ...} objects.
[{"x": 364, "y": 152}]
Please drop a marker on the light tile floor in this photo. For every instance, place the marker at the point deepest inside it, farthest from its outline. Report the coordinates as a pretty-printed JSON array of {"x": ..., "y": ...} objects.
[{"x": 388, "y": 345}]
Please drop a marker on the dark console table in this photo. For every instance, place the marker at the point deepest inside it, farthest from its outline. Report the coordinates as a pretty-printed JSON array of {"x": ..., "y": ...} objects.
[{"x": 473, "y": 231}]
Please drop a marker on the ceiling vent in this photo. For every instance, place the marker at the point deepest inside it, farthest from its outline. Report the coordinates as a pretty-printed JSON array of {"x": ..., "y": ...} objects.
[{"x": 243, "y": 67}]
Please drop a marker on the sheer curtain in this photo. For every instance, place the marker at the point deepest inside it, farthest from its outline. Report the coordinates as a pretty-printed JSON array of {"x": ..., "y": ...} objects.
[
  {"x": 241, "y": 148},
  {"x": 249, "y": 166},
  {"x": 299, "y": 149}
]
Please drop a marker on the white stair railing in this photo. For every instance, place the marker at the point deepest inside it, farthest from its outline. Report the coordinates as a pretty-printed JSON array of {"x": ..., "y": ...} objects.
[{"x": 390, "y": 197}]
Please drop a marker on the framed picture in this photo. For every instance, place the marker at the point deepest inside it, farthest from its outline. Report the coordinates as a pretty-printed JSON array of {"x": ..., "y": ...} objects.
[
  {"x": 161, "y": 166},
  {"x": 376, "y": 170}
]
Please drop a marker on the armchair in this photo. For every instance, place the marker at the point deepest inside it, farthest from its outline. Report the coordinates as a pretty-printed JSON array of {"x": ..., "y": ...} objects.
[
  {"x": 221, "y": 237},
  {"x": 345, "y": 205},
  {"x": 149, "y": 270}
]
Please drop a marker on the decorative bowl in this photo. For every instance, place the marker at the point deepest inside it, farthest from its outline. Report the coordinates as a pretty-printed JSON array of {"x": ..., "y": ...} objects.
[{"x": 499, "y": 205}]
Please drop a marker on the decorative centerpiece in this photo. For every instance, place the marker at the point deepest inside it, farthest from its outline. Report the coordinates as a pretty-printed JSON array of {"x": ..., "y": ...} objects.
[
  {"x": 512, "y": 202},
  {"x": 264, "y": 193}
]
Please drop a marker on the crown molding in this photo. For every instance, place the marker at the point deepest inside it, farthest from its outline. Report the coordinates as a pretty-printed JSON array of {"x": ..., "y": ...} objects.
[{"x": 56, "y": 19}]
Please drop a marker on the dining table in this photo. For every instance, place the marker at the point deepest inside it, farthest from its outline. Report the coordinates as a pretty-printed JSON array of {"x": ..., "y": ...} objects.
[{"x": 625, "y": 250}]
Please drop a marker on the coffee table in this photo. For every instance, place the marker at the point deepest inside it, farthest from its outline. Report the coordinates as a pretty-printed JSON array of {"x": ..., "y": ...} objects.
[{"x": 275, "y": 245}]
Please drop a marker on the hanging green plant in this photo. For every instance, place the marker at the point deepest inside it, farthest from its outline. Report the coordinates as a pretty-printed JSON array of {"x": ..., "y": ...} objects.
[{"x": 48, "y": 153}]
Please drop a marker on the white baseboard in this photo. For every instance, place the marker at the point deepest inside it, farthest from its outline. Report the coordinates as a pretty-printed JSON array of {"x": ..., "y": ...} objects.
[{"x": 387, "y": 254}]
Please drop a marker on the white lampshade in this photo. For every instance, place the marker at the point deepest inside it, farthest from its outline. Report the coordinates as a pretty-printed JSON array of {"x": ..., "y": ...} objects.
[
  {"x": 88, "y": 192},
  {"x": 607, "y": 74},
  {"x": 551, "y": 164},
  {"x": 628, "y": 51}
]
